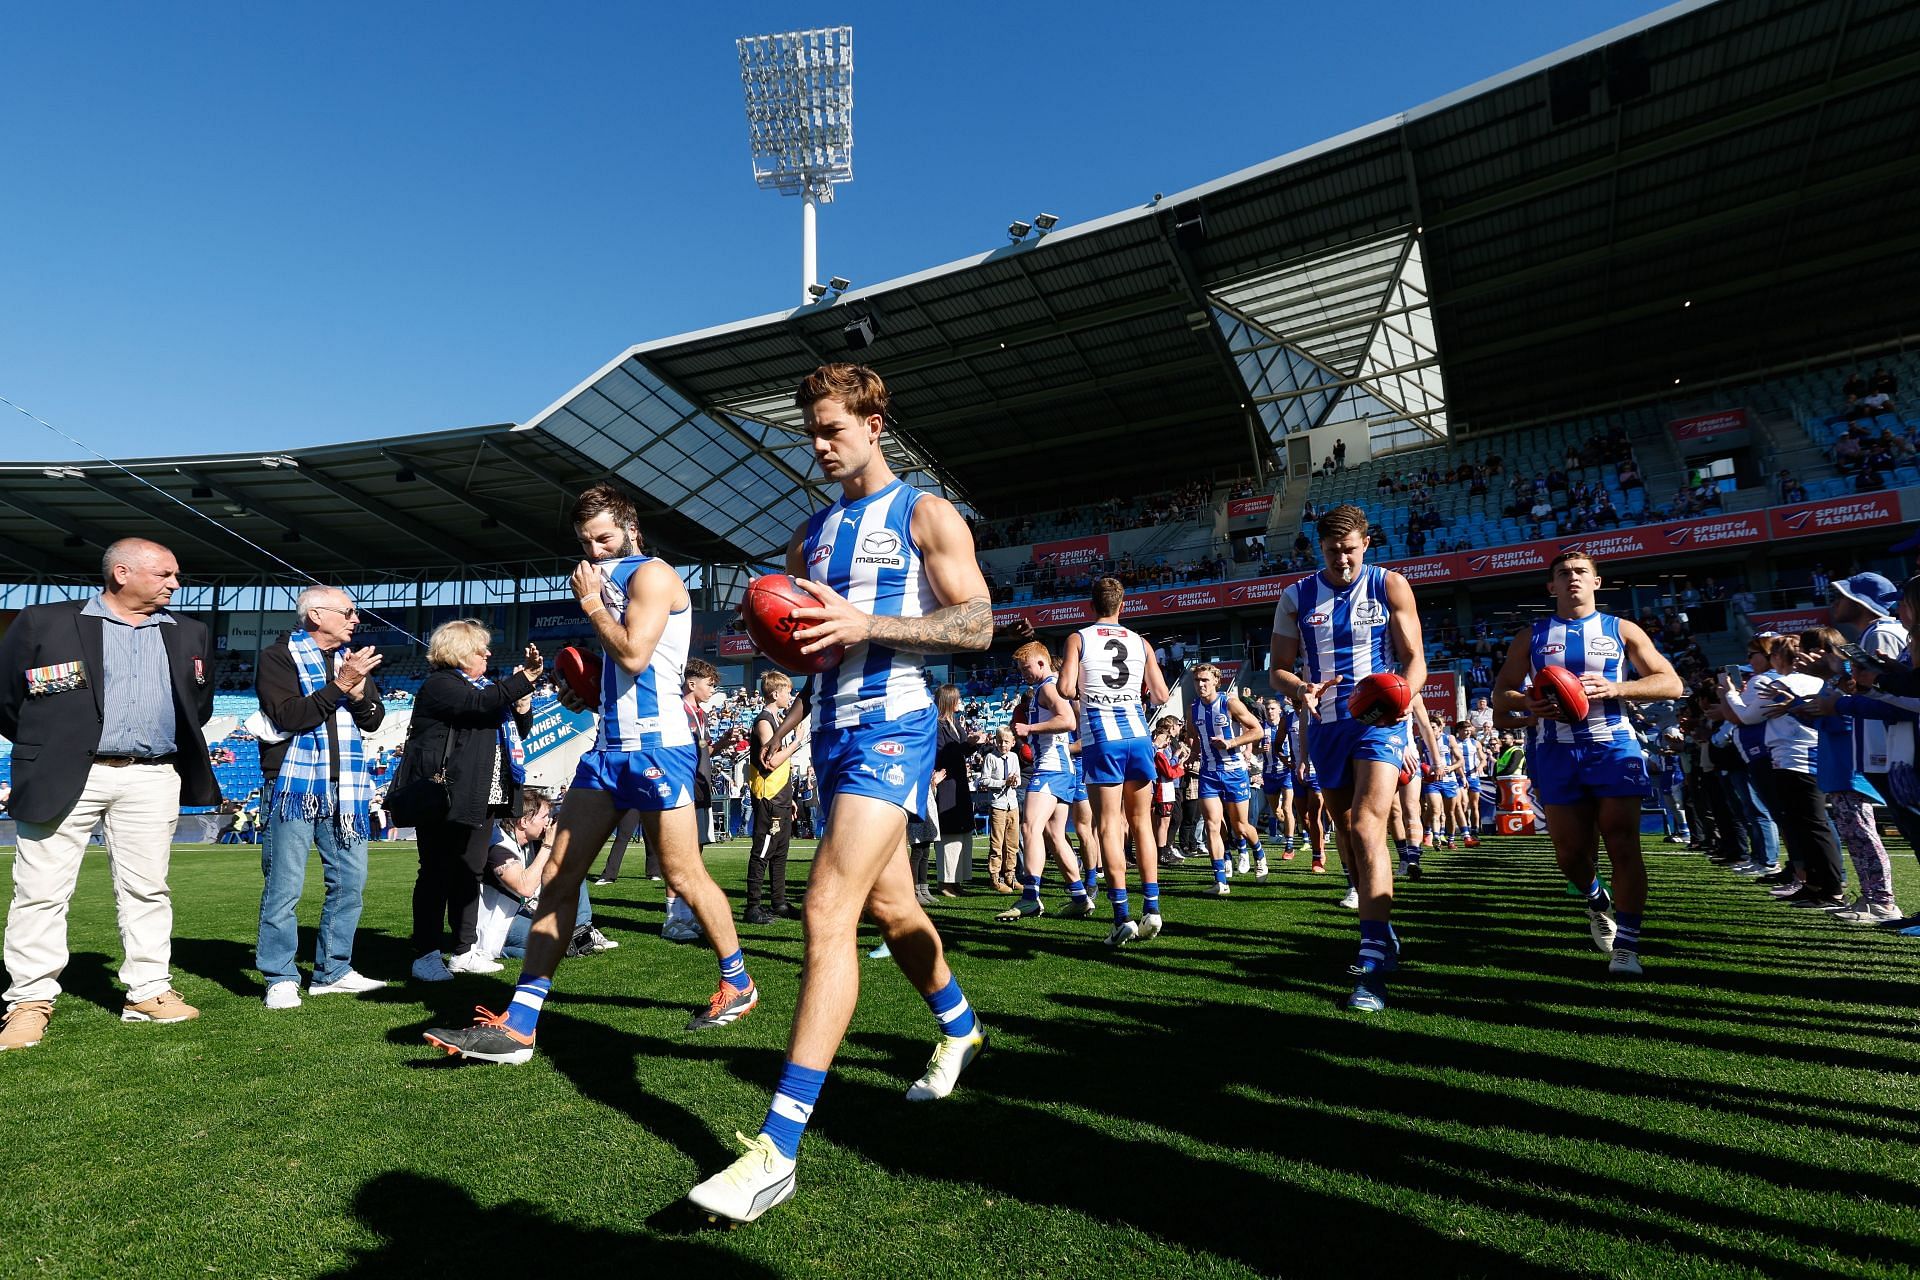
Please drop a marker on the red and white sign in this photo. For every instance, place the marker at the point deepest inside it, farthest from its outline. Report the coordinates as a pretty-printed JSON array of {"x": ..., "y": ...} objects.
[
  {"x": 1705, "y": 425},
  {"x": 1788, "y": 622},
  {"x": 1441, "y": 695},
  {"x": 1835, "y": 515},
  {"x": 1241, "y": 508},
  {"x": 1072, "y": 553},
  {"x": 735, "y": 646}
]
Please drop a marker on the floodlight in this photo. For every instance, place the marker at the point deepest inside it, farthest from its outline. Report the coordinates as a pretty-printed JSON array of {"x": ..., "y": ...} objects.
[
  {"x": 1045, "y": 221},
  {"x": 278, "y": 460},
  {"x": 63, "y": 473},
  {"x": 861, "y": 331},
  {"x": 816, "y": 291},
  {"x": 839, "y": 284},
  {"x": 1017, "y": 230},
  {"x": 799, "y": 95}
]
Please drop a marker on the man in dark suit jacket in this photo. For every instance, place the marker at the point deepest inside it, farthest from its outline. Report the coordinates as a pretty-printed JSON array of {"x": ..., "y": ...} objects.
[{"x": 104, "y": 700}]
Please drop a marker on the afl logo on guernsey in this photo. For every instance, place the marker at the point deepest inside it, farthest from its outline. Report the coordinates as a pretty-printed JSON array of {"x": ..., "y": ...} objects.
[
  {"x": 1317, "y": 619},
  {"x": 890, "y": 748},
  {"x": 1369, "y": 613},
  {"x": 821, "y": 553},
  {"x": 1548, "y": 650}
]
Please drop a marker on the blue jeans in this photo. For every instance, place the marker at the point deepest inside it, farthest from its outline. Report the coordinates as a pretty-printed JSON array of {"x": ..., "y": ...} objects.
[
  {"x": 516, "y": 946},
  {"x": 283, "y": 862},
  {"x": 1761, "y": 829}
]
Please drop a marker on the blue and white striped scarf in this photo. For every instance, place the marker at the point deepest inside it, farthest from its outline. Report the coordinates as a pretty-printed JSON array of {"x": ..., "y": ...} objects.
[
  {"x": 509, "y": 736},
  {"x": 304, "y": 790}
]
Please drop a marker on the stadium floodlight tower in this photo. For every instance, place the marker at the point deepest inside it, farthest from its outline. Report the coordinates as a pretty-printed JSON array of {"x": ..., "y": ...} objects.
[{"x": 799, "y": 88}]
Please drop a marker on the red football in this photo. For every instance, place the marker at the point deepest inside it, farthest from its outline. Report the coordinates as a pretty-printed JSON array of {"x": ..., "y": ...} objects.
[
  {"x": 1380, "y": 699},
  {"x": 581, "y": 672},
  {"x": 768, "y": 610},
  {"x": 1562, "y": 688}
]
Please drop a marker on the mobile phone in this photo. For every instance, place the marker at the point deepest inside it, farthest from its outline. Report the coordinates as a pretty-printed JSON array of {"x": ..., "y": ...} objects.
[
  {"x": 1735, "y": 672},
  {"x": 1854, "y": 653}
]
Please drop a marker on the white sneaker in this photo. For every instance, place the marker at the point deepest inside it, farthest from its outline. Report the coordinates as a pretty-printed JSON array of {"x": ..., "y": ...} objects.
[
  {"x": 1260, "y": 870},
  {"x": 284, "y": 994},
  {"x": 1751, "y": 868},
  {"x": 1221, "y": 890},
  {"x": 602, "y": 881},
  {"x": 1625, "y": 964},
  {"x": 1600, "y": 925},
  {"x": 472, "y": 961},
  {"x": 950, "y": 1058},
  {"x": 1857, "y": 913},
  {"x": 1123, "y": 933},
  {"x": 751, "y": 1185},
  {"x": 432, "y": 967},
  {"x": 348, "y": 984},
  {"x": 1886, "y": 912},
  {"x": 1246, "y": 862},
  {"x": 1150, "y": 925},
  {"x": 1352, "y": 901}
]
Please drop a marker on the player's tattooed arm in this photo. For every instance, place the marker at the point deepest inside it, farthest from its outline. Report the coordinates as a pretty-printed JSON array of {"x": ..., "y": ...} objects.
[{"x": 957, "y": 628}]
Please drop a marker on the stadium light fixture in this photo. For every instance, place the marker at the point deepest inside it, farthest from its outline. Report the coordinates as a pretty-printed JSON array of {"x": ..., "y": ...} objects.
[
  {"x": 63, "y": 473},
  {"x": 839, "y": 284},
  {"x": 815, "y": 292},
  {"x": 799, "y": 96},
  {"x": 1018, "y": 230},
  {"x": 1045, "y": 221},
  {"x": 274, "y": 462}
]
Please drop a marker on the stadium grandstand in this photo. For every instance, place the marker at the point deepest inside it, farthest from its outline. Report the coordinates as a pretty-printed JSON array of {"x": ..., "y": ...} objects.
[{"x": 1649, "y": 294}]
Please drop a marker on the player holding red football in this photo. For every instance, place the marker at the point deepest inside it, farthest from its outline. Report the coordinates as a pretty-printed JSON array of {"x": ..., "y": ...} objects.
[
  {"x": 896, "y": 578},
  {"x": 1347, "y": 622},
  {"x": 644, "y": 757},
  {"x": 1588, "y": 770}
]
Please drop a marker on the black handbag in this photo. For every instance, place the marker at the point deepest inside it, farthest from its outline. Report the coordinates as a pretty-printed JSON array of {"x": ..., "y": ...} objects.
[{"x": 414, "y": 798}]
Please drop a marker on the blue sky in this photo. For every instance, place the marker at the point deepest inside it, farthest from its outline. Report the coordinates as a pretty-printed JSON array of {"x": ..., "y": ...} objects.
[{"x": 257, "y": 226}]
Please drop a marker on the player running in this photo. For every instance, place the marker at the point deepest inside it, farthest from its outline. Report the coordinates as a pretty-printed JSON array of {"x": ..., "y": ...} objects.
[
  {"x": 1051, "y": 785},
  {"x": 1591, "y": 775},
  {"x": 1349, "y": 621},
  {"x": 1108, "y": 667},
  {"x": 644, "y": 758},
  {"x": 1222, "y": 725},
  {"x": 1276, "y": 780},
  {"x": 908, "y": 558}
]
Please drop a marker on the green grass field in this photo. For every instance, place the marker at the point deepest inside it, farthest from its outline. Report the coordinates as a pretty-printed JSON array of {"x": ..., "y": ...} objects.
[{"x": 1194, "y": 1106}]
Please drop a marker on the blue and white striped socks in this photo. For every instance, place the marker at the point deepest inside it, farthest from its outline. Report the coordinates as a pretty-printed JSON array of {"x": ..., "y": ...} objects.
[
  {"x": 529, "y": 997},
  {"x": 1627, "y": 931},
  {"x": 792, "y": 1107},
  {"x": 950, "y": 1005}
]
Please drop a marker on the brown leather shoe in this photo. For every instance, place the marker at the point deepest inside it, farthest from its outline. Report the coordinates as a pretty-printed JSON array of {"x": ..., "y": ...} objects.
[
  {"x": 165, "y": 1007},
  {"x": 25, "y": 1024},
  {"x": 1001, "y": 886}
]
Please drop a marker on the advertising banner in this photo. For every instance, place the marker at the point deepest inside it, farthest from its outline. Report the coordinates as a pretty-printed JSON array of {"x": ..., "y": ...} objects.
[
  {"x": 1441, "y": 695},
  {"x": 556, "y": 619},
  {"x": 251, "y": 632},
  {"x": 1788, "y": 622},
  {"x": 1835, "y": 515},
  {"x": 1705, "y": 425},
  {"x": 1072, "y": 553},
  {"x": 553, "y": 724},
  {"x": 1249, "y": 508},
  {"x": 738, "y": 646}
]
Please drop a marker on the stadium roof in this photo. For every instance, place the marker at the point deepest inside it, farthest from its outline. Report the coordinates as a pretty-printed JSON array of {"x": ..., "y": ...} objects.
[
  {"x": 475, "y": 503},
  {"x": 1714, "y": 189}
]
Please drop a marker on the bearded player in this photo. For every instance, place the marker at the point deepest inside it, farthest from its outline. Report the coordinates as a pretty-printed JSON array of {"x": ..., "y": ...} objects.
[
  {"x": 896, "y": 579},
  {"x": 1347, "y": 622},
  {"x": 1590, "y": 774}
]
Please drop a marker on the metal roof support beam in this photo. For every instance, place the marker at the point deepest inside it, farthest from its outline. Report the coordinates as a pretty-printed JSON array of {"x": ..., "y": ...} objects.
[
  {"x": 1028, "y": 448},
  {"x": 459, "y": 495},
  {"x": 197, "y": 529},
  {"x": 1215, "y": 341},
  {"x": 53, "y": 519},
  {"x": 386, "y": 515}
]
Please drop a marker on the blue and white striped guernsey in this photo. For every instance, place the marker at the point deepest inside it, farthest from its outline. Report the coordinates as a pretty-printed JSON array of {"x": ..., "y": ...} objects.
[
  {"x": 1212, "y": 719},
  {"x": 1050, "y": 750},
  {"x": 1589, "y": 646},
  {"x": 642, "y": 710},
  {"x": 864, "y": 549},
  {"x": 1276, "y": 748},
  {"x": 1113, "y": 666},
  {"x": 1342, "y": 633}
]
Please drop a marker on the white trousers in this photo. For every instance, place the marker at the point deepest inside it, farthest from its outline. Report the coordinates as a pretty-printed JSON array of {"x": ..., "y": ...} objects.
[{"x": 140, "y": 804}]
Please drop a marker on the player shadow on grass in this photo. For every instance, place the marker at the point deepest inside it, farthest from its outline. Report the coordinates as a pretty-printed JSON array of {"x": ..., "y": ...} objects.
[
  {"x": 1348, "y": 1117},
  {"x": 423, "y": 1222},
  {"x": 610, "y": 1066}
]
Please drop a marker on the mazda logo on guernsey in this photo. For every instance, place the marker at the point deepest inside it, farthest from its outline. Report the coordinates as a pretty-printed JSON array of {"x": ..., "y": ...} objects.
[
  {"x": 890, "y": 748},
  {"x": 883, "y": 543}
]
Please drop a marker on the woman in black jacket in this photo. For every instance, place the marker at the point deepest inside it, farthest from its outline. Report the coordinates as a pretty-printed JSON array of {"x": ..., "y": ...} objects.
[
  {"x": 953, "y": 797},
  {"x": 461, "y": 723}
]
